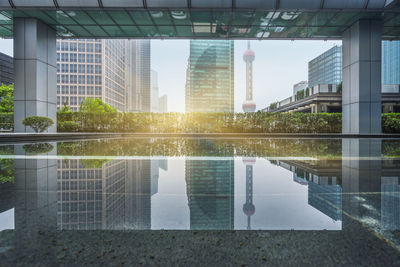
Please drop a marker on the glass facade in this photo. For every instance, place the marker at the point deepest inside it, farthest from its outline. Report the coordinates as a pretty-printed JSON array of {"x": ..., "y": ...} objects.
[
  {"x": 210, "y": 76},
  {"x": 391, "y": 62},
  {"x": 326, "y": 68}
]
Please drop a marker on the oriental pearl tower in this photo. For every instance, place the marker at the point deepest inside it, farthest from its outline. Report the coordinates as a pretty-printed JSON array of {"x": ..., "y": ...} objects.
[
  {"x": 248, "y": 57},
  {"x": 248, "y": 207}
]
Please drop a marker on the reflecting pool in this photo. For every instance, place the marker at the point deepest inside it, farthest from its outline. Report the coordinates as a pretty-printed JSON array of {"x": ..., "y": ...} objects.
[{"x": 336, "y": 185}]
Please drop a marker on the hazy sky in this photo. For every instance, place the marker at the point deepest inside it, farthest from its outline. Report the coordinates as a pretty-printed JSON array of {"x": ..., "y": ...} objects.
[{"x": 277, "y": 66}]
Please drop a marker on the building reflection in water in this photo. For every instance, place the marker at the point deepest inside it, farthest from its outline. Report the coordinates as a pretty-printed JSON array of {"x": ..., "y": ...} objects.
[
  {"x": 116, "y": 194},
  {"x": 95, "y": 194},
  {"x": 323, "y": 178},
  {"x": 210, "y": 192}
]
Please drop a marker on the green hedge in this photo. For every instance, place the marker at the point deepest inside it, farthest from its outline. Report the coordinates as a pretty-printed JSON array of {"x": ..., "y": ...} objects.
[{"x": 258, "y": 122}]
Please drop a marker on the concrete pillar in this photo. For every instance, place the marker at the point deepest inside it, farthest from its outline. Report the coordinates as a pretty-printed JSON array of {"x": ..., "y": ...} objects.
[
  {"x": 361, "y": 97},
  {"x": 35, "y": 72}
]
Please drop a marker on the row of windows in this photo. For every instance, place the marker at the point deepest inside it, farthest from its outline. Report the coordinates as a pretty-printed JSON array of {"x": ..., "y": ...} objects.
[
  {"x": 79, "y": 79},
  {"x": 79, "y": 68},
  {"x": 81, "y": 58},
  {"x": 80, "y": 47},
  {"x": 79, "y": 90}
]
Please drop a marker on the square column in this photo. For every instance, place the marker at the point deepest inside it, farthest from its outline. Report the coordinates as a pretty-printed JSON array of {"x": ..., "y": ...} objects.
[
  {"x": 35, "y": 69},
  {"x": 361, "y": 96}
]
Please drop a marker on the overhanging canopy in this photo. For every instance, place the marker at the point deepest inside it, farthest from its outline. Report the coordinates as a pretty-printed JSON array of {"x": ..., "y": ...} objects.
[{"x": 204, "y": 19}]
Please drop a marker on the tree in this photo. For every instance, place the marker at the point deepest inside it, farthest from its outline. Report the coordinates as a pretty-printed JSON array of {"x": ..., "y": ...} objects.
[
  {"x": 96, "y": 106},
  {"x": 6, "y": 98},
  {"x": 339, "y": 88},
  {"x": 37, "y": 123}
]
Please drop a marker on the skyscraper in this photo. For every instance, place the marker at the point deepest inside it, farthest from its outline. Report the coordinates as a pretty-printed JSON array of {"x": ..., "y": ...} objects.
[
  {"x": 163, "y": 104},
  {"x": 210, "y": 76},
  {"x": 326, "y": 68},
  {"x": 91, "y": 68},
  {"x": 248, "y": 57},
  {"x": 139, "y": 76},
  {"x": 6, "y": 69},
  {"x": 391, "y": 62},
  {"x": 154, "y": 92}
]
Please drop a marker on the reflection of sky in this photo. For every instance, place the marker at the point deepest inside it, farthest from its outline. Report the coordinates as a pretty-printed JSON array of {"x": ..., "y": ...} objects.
[
  {"x": 280, "y": 203},
  {"x": 169, "y": 207},
  {"x": 7, "y": 220}
]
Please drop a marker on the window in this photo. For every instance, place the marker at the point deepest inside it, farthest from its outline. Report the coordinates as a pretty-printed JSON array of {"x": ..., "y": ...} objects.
[{"x": 81, "y": 58}]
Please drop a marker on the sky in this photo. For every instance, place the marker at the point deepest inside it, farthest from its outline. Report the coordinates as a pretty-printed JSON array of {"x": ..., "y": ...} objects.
[{"x": 278, "y": 65}]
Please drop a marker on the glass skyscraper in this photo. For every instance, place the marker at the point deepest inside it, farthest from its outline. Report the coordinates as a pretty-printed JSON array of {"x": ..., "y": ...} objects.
[
  {"x": 391, "y": 62},
  {"x": 210, "y": 76},
  {"x": 326, "y": 68}
]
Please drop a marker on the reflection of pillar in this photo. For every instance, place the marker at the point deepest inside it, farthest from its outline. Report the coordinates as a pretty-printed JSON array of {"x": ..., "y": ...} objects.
[
  {"x": 36, "y": 195},
  {"x": 361, "y": 172},
  {"x": 248, "y": 207}
]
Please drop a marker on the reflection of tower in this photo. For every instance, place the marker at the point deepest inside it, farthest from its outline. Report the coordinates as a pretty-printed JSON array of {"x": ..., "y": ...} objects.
[
  {"x": 248, "y": 57},
  {"x": 248, "y": 207}
]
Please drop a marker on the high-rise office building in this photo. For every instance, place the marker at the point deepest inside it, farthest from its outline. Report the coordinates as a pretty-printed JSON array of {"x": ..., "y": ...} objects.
[
  {"x": 139, "y": 76},
  {"x": 88, "y": 68},
  {"x": 163, "y": 104},
  {"x": 154, "y": 99},
  {"x": 210, "y": 76},
  {"x": 326, "y": 68},
  {"x": 391, "y": 62},
  {"x": 6, "y": 69}
]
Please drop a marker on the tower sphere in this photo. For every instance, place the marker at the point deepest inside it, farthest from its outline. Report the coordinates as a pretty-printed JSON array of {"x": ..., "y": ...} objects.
[{"x": 249, "y": 55}]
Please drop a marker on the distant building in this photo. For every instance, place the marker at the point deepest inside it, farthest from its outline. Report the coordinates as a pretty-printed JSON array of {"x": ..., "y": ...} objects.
[
  {"x": 299, "y": 86},
  {"x": 154, "y": 99},
  {"x": 163, "y": 104},
  {"x": 210, "y": 76},
  {"x": 326, "y": 68},
  {"x": 391, "y": 62},
  {"x": 88, "y": 68},
  {"x": 138, "y": 56},
  {"x": 6, "y": 69}
]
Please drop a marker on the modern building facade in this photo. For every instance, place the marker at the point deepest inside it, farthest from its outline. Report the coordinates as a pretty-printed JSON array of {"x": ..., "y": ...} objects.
[
  {"x": 91, "y": 68},
  {"x": 163, "y": 104},
  {"x": 390, "y": 62},
  {"x": 326, "y": 68},
  {"x": 154, "y": 99},
  {"x": 6, "y": 69},
  {"x": 210, "y": 76},
  {"x": 139, "y": 76}
]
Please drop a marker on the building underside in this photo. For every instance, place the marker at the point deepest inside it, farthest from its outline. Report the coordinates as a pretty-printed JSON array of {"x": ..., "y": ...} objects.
[{"x": 217, "y": 19}]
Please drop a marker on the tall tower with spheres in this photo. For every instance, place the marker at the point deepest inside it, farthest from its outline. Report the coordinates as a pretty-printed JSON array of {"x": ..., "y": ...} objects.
[{"x": 248, "y": 57}]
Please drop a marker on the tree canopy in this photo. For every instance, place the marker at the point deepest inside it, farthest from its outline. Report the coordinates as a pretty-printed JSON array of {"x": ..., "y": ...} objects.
[
  {"x": 6, "y": 98},
  {"x": 96, "y": 106}
]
